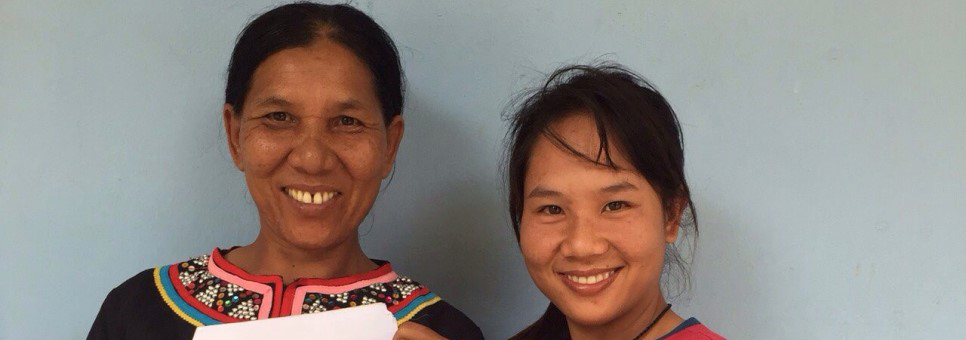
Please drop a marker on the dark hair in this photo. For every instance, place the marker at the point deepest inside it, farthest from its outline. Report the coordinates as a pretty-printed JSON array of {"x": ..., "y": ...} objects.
[
  {"x": 628, "y": 111},
  {"x": 301, "y": 23}
]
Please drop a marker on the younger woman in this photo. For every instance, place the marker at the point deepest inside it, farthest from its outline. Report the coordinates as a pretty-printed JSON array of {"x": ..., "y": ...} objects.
[{"x": 597, "y": 195}]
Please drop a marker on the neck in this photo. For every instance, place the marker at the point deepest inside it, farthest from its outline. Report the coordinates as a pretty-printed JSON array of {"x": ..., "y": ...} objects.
[
  {"x": 267, "y": 256},
  {"x": 631, "y": 323}
]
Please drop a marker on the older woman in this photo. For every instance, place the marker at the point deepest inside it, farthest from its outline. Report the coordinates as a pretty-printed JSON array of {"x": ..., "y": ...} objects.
[{"x": 312, "y": 115}]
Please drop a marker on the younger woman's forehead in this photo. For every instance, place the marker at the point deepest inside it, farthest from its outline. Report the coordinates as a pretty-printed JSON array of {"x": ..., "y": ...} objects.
[
  {"x": 578, "y": 136},
  {"x": 553, "y": 165}
]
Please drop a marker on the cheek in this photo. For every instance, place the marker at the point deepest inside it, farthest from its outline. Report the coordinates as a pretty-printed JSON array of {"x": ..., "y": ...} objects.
[
  {"x": 645, "y": 250},
  {"x": 638, "y": 243},
  {"x": 537, "y": 246},
  {"x": 363, "y": 157},
  {"x": 262, "y": 152}
]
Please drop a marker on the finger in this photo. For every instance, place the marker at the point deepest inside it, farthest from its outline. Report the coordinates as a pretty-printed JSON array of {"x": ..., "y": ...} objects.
[{"x": 415, "y": 331}]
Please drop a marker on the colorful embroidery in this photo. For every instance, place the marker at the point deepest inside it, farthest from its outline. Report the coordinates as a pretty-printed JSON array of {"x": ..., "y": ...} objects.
[
  {"x": 402, "y": 296},
  {"x": 217, "y": 294},
  {"x": 176, "y": 302},
  {"x": 202, "y": 292},
  {"x": 413, "y": 308}
]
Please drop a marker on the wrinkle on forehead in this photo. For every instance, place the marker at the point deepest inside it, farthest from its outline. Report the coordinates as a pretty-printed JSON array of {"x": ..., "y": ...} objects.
[{"x": 323, "y": 73}]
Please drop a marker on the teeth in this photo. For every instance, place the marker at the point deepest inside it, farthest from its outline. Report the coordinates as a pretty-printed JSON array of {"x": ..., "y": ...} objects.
[
  {"x": 309, "y": 197},
  {"x": 589, "y": 280}
]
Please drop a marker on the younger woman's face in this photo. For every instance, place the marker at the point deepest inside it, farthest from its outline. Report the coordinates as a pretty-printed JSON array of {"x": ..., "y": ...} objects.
[{"x": 592, "y": 237}]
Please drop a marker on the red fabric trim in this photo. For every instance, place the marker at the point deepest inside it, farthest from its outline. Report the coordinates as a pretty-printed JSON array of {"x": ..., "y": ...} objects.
[
  {"x": 405, "y": 302},
  {"x": 191, "y": 300},
  {"x": 283, "y": 295},
  {"x": 274, "y": 280},
  {"x": 383, "y": 269},
  {"x": 288, "y": 296},
  {"x": 234, "y": 270},
  {"x": 694, "y": 332},
  {"x": 287, "y": 302},
  {"x": 219, "y": 260},
  {"x": 277, "y": 300}
]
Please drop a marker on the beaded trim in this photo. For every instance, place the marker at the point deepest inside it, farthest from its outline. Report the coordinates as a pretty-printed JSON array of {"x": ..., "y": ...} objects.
[
  {"x": 224, "y": 297},
  {"x": 175, "y": 301},
  {"x": 201, "y": 297}
]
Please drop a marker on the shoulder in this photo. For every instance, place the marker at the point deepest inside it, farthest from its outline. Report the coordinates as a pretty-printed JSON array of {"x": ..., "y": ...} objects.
[
  {"x": 135, "y": 307},
  {"x": 692, "y": 329},
  {"x": 150, "y": 285},
  {"x": 134, "y": 296},
  {"x": 138, "y": 286},
  {"x": 419, "y": 304}
]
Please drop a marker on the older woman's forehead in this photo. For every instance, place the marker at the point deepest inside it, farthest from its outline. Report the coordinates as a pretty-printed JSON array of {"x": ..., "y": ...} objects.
[{"x": 322, "y": 74}]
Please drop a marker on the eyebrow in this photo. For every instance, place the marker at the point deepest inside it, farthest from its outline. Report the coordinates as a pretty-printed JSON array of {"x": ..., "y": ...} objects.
[
  {"x": 349, "y": 104},
  {"x": 273, "y": 101},
  {"x": 618, "y": 187},
  {"x": 342, "y": 105},
  {"x": 540, "y": 191}
]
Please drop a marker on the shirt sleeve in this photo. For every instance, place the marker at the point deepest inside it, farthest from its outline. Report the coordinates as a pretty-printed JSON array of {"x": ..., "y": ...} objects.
[
  {"x": 448, "y": 321},
  {"x": 103, "y": 327}
]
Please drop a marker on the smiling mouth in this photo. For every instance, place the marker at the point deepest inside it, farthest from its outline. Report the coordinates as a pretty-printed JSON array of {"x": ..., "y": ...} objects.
[
  {"x": 308, "y": 197},
  {"x": 589, "y": 280}
]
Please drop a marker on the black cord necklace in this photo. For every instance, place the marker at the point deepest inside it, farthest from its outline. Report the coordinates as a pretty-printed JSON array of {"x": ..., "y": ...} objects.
[{"x": 656, "y": 319}]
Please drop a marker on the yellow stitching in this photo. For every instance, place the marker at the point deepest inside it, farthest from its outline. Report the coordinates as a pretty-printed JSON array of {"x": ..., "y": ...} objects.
[
  {"x": 413, "y": 312},
  {"x": 167, "y": 300}
]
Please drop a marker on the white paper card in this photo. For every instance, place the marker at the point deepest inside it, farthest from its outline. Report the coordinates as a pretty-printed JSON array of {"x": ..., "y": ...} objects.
[{"x": 368, "y": 322}]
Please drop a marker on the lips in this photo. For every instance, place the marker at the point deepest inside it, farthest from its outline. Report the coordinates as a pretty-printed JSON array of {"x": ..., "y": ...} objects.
[
  {"x": 309, "y": 196},
  {"x": 589, "y": 282},
  {"x": 589, "y": 279}
]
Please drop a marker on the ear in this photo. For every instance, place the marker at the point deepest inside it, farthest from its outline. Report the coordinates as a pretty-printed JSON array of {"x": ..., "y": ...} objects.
[
  {"x": 232, "y": 124},
  {"x": 673, "y": 222},
  {"x": 394, "y": 133}
]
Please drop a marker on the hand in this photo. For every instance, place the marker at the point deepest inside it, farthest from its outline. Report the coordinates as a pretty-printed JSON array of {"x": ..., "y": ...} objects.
[{"x": 414, "y": 331}]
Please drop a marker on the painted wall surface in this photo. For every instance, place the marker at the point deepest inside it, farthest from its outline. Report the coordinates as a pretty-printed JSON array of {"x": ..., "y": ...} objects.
[{"x": 826, "y": 147}]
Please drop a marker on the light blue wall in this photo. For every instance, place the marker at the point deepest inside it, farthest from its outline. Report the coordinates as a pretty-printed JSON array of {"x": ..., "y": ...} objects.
[{"x": 825, "y": 146}]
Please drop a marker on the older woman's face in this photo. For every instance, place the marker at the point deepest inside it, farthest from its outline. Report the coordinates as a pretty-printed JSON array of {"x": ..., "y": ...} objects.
[{"x": 313, "y": 144}]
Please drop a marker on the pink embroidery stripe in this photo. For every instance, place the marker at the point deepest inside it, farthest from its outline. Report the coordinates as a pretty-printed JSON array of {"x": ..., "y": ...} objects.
[
  {"x": 266, "y": 307},
  {"x": 300, "y": 292}
]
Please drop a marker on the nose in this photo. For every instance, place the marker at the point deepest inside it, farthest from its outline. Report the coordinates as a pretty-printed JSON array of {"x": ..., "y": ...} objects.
[
  {"x": 582, "y": 240},
  {"x": 313, "y": 152}
]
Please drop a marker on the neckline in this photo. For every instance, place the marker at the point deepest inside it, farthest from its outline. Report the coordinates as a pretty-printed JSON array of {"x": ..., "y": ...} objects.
[
  {"x": 218, "y": 261},
  {"x": 684, "y": 324}
]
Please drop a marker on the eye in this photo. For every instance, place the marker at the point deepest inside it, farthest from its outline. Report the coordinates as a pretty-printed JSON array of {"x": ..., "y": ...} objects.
[
  {"x": 279, "y": 116},
  {"x": 348, "y": 121},
  {"x": 551, "y": 209},
  {"x": 615, "y": 205}
]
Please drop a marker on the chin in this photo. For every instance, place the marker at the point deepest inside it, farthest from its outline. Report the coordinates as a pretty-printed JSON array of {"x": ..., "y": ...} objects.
[
  {"x": 314, "y": 238},
  {"x": 589, "y": 311},
  {"x": 588, "y": 314}
]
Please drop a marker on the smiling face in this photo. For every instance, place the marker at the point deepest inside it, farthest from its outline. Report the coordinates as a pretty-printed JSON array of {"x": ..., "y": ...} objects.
[
  {"x": 313, "y": 144},
  {"x": 593, "y": 238}
]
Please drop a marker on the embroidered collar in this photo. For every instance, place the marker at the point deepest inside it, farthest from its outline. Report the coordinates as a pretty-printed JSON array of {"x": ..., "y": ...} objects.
[{"x": 208, "y": 289}]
